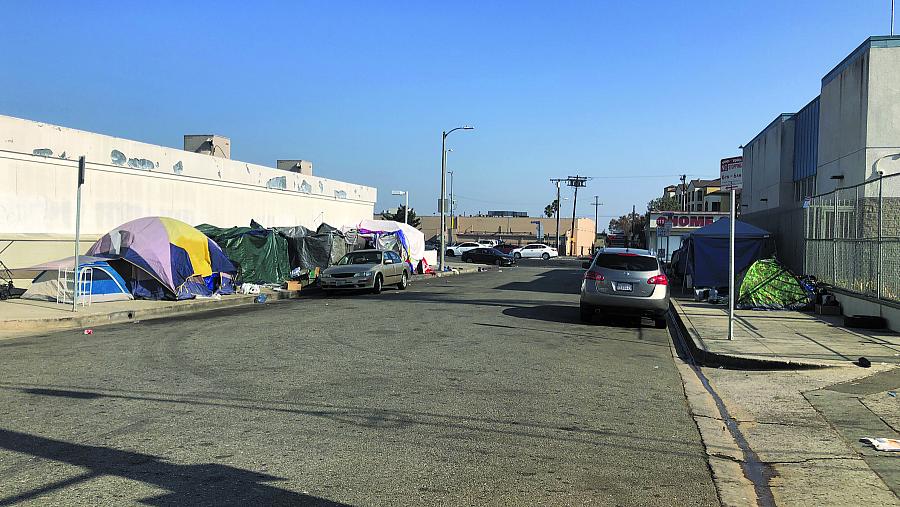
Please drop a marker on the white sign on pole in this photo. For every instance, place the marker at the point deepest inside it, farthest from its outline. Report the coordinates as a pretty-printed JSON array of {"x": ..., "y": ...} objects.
[{"x": 731, "y": 173}]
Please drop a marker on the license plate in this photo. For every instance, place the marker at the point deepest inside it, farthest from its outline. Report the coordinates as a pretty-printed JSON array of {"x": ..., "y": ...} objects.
[{"x": 624, "y": 287}]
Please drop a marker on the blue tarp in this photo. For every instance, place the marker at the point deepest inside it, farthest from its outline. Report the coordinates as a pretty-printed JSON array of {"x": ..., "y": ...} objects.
[{"x": 706, "y": 251}]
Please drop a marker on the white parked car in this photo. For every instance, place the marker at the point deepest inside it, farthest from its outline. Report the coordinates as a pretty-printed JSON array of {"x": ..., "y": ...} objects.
[
  {"x": 487, "y": 243},
  {"x": 457, "y": 250},
  {"x": 535, "y": 251}
]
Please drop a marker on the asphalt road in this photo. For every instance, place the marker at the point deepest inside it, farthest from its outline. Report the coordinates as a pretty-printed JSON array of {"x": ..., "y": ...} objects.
[{"x": 480, "y": 389}]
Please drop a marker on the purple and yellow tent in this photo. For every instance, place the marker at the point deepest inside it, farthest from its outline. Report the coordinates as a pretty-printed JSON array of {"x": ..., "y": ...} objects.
[{"x": 174, "y": 259}]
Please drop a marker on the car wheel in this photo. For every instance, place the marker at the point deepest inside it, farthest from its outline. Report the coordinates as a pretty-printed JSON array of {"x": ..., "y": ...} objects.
[
  {"x": 467, "y": 259},
  {"x": 450, "y": 253},
  {"x": 545, "y": 256},
  {"x": 517, "y": 255},
  {"x": 587, "y": 313},
  {"x": 498, "y": 262},
  {"x": 659, "y": 323},
  {"x": 376, "y": 287},
  {"x": 404, "y": 281}
]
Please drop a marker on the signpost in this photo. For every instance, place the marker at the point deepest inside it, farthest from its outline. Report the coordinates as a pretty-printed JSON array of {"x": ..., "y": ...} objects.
[
  {"x": 77, "y": 230},
  {"x": 731, "y": 175}
]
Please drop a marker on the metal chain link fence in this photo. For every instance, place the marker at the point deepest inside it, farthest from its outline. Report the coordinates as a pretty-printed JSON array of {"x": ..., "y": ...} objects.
[{"x": 853, "y": 238}]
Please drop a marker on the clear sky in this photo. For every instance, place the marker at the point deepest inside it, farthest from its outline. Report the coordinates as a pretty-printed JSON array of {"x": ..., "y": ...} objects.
[{"x": 630, "y": 93}]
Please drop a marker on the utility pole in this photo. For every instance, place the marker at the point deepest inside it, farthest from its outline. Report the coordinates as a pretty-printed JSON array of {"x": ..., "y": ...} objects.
[
  {"x": 557, "y": 181},
  {"x": 596, "y": 206},
  {"x": 684, "y": 192},
  {"x": 576, "y": 182}
]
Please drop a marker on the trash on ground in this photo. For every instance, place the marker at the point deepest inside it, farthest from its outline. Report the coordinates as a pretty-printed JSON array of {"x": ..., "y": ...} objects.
[
  {"x": 260, "y": 299},
  {"x": 249, "y": 288},
  {"x": 892, "y": 394},
  {"x": 882, "y": 444},
  {"x": 863, "y": 362},
  {"x": 88, "y": 331}
]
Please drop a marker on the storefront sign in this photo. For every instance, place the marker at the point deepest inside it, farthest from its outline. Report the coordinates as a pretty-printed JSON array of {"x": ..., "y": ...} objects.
[{"x": 685, "y": 221}]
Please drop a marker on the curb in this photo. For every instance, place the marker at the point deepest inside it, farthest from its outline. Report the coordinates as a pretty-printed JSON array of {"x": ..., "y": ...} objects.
[
  {"x": 118, "y": 317},
  {"x": 705, "y": 357}
]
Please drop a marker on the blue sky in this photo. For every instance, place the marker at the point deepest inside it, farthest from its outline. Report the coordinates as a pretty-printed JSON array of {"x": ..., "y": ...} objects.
[{"x": 630, "y": 93}]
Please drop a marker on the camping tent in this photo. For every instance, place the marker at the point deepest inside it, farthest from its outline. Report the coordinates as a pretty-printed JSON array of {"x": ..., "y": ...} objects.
[
  {"x": 261, "y": 255},
  {"x": 170, "y": 259},
  {"x": 310, "y": 249},
  {"x": 106, "y": 284},
  {"x": 411, "y": 239},
  {"x": 705, "y": 251},
  {"x": 769, "y": 285}
]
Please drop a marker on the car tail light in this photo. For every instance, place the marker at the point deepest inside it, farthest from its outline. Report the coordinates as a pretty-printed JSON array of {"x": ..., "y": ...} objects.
[
  {"x": 593, "y": 275},
  {"x": 658, "y": 280}
]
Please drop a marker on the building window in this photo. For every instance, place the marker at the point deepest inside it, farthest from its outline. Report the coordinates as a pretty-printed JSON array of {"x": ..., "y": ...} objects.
[
  {"x": 717, "y": 206},
  {"x": 706, "y": 206}
]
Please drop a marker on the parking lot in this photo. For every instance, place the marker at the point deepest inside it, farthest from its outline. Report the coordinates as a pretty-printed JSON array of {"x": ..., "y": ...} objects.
[{"x": 470, "y": 390}]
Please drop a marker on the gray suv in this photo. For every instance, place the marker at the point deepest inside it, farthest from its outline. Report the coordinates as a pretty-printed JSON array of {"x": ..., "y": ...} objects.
[{"x": 625, "y": 281}]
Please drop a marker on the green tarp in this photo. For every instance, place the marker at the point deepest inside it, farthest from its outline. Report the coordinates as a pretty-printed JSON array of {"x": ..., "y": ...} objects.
[
  {"x": 769, "y": 285},
  {"x": 260, "y": 255}
]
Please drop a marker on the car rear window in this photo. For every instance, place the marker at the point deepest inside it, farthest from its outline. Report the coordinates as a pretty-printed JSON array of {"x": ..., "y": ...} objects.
[{"x": 627, "y": 262}]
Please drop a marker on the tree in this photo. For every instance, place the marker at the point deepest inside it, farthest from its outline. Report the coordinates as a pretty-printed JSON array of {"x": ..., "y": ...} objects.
[
  {"x": 628, "y": 223},
  {"x": 664, "y": 204},
  {"x": 398, "y": 217},
  {"x": 551, "y": 209}
]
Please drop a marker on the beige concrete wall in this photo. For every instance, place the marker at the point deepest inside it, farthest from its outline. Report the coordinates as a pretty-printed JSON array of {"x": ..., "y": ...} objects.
[
  {"x": 127, "y": 179},
  {"x": 505, "y": 227}
]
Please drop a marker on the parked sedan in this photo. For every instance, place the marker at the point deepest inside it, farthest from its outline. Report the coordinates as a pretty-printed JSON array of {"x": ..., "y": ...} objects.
[
  {"x": 488, "y": 256},
  {"x": 366, "y": 269},
  {"x": 457, "y": 250},
  {"x": 535, "y": 251}
]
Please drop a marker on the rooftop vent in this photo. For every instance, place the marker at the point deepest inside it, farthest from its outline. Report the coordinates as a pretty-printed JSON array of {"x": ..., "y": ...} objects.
[
  {"x": 208, "y": 144},
  {"x": 296, "y": 166}
]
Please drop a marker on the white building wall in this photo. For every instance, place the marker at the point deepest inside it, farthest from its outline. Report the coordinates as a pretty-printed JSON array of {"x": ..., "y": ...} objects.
[
  {"x": 127, "y": 179},
  {"x": 883, "y": 113}
]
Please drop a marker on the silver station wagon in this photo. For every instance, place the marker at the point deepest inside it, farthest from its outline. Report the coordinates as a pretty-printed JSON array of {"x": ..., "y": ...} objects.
[
  {"x": 366, "y": 269},
  {"x": 625, "y": 281}
]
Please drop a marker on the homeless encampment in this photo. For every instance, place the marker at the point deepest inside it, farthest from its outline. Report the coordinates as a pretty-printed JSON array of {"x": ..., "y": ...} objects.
[
  {"x": 402, "y": 238},
  {"x": 270, "y": 255},
  {"x": 704, "y": 252},
  {"x": 169, "y": 259},
  {"x": 769, "y": 285}
]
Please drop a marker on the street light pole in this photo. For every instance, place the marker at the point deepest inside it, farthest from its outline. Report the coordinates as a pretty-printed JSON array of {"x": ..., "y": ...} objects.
[
  {"x": 442, "y": 200},
  {"x": 452, "y": 215}
]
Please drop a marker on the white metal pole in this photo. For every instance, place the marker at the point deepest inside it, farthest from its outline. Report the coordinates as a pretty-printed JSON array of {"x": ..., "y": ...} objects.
[
  {"x": 443, "y": 241},
  {"x": 79, "y": 179},
  {"x": 406, "y": 208},
  {"x": 892, "y": 18},
  {"x": 732, "y": 290}
]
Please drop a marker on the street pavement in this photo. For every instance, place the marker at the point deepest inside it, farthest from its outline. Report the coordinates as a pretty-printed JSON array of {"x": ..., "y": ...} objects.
[{"x": 481, "y": 389}]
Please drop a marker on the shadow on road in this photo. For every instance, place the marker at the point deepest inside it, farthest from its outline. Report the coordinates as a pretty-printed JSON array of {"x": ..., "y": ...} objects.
[
  {"x": 208, "y": 484},
  {"x": 570, "y": 315}
]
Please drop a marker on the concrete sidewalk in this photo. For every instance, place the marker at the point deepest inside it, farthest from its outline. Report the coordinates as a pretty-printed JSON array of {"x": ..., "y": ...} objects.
[
  {"x": 773, "y": 339},
  {"x": 22, "y": 316}
]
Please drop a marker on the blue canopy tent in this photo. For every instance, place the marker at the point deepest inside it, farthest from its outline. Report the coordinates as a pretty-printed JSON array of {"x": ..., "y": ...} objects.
[{"x": 705, "y": 251}]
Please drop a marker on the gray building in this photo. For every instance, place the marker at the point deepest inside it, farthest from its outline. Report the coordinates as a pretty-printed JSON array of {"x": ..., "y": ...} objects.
[{"x": 843, "y": 137}]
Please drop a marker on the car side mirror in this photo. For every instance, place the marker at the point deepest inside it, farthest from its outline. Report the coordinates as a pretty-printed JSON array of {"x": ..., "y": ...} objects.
[{"x": 586, "y": 265}]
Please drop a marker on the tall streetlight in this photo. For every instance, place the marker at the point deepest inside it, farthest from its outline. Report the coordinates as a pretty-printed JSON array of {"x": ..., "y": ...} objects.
[
  {"x": 405, "y": 195},
  {"x": 442, "y": 200},
  {"x": 452, "y": 221}
]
